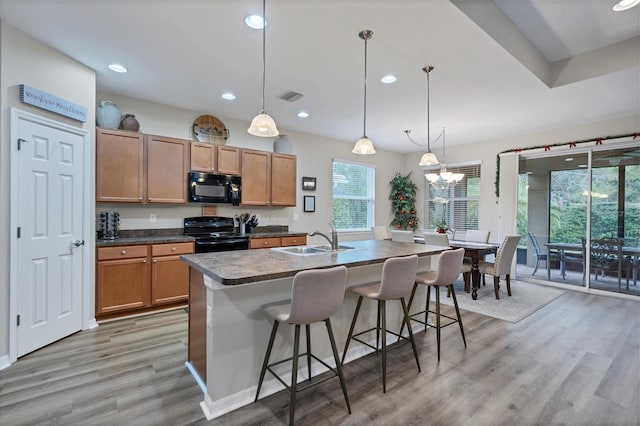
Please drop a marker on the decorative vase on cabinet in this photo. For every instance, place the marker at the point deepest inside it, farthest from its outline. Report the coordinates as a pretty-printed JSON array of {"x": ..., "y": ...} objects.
[
  {"x": 130, "y": 123},
  {"x": 108, "y": 115}
]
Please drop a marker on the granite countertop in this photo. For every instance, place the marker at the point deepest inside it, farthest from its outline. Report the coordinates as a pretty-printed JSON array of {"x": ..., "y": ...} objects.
[
  {"x": 247, "y": 266},
  {"x": 133, "y": 241}
]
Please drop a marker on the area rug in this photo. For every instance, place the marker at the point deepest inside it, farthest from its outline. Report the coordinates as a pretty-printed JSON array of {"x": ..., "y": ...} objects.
[{"x": 526, "y": 299}]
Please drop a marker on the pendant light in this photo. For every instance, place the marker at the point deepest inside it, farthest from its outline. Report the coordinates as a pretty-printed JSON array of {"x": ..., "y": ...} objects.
[
  {"x": 428, "y": 158},
  {"x": 444, "y": 179},
  {"x": 364, "y": 146},
  {"x": 263, "y": 125}
]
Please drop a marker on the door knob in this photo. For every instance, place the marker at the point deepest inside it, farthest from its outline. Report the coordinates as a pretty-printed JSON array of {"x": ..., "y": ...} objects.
[{"x": 78, "y": 243}]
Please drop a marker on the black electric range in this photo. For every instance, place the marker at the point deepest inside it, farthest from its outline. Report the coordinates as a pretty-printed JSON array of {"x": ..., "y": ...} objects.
[{"x": 214, "y": 233}]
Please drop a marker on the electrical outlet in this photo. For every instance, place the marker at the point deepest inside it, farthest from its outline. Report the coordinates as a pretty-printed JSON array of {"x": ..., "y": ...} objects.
[{"x": 153, "y": 218}]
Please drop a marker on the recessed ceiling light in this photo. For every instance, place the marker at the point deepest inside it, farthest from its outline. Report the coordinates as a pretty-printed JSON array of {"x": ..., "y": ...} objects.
[
  {"x": 303, "y": 114},
  {"x": 118, "y": 68},
  {"x": 582, "y": 165},
  {"x": 625, "y": 4},
  {"x": 388, "y": 79},
  {"x": 254, "y": 21},
  {"x": 568, "y": 159},
  {"x": 228, "y": 96}
]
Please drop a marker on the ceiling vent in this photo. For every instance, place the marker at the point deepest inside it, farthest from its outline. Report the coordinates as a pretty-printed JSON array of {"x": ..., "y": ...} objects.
[{"x": 291, "y": 96}]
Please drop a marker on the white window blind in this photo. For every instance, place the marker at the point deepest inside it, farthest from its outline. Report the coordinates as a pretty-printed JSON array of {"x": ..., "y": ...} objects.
[
  {"x": 353, "y": 196},
  {"x": 457, "y": 205}
]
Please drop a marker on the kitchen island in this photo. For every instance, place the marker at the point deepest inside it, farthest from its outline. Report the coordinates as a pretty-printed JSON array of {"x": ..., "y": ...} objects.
[{"x": 228, "y": 332}]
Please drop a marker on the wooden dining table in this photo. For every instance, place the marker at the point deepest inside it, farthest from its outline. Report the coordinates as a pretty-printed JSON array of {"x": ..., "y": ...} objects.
[{"x": 475, "y": 251}]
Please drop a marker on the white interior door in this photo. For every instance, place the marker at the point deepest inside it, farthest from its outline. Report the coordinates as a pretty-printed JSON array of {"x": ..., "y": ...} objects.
[{"x": 50, "y": 234}]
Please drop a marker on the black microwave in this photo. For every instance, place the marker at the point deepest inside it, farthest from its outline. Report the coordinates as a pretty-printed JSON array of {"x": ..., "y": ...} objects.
[{"x": 210, "y": 188}]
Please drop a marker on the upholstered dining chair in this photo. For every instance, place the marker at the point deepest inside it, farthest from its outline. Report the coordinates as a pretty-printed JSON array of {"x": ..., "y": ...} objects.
[
  {"x": 402, "y": 236},
  {"x": 316, "y": 294},
  {"x": 398, "y": 277},
  {"x": 477, "y": 235},
  {"x": 501, "y": 266},
  {"x": 380, "y": 232},
  {"x": 436, "y": 239}
]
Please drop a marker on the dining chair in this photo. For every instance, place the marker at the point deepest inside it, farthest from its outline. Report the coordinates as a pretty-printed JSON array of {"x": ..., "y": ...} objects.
[
  {"x": 316, "y": 294},
  {"x": 436, "y": 239},
  {"x": 380, "y": 232},
  {"x": 398, "y": 277},
  {"x": 606, "y": 256},
  {"x": 501, "y": 266},
  {"x": 402, "y": 236}
]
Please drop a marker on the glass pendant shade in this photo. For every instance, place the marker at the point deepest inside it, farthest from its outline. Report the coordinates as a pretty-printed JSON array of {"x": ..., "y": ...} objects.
[
  {"x": 428, "y": 159},
  {"x": 363, "y": 147},
  {"x": 263, "y": 125}
]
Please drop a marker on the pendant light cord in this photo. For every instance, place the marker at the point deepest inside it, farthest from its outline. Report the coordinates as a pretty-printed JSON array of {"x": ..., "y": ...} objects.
[
  {"x": 264, "y": 51},
  {"x": 364, "y": 127}
]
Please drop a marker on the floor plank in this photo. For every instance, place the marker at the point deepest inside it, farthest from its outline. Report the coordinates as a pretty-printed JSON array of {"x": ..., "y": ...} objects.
[{"x": 576, "y": 361}]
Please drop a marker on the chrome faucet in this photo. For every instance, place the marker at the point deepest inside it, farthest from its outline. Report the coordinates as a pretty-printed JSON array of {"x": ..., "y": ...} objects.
[{"x": 334, "y": 237}]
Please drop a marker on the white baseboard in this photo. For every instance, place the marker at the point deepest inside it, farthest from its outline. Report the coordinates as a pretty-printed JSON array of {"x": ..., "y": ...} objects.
[
  {"x": 92, "y": 324},
  {"x": 4, "y": 362}
]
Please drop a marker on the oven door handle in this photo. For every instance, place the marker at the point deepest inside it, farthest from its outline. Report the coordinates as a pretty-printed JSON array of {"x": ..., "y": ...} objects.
[{"x": 223, "y": 242}]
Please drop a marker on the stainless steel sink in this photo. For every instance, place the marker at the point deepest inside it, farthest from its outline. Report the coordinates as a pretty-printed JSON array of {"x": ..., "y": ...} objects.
[{"x": 311, "y": 250}]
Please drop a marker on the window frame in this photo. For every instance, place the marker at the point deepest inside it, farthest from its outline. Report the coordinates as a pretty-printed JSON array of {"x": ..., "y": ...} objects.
[{"x": 370, "y": 198}]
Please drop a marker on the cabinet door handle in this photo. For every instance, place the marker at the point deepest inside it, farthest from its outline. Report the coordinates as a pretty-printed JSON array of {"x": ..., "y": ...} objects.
[
  {"x": 123, "y": 252},
  {"x": 155, "y": 261},
  {"x": 144, "y": 261},
  {"x": 139, "y": 198},
  {"x": 149, "y": 199}
]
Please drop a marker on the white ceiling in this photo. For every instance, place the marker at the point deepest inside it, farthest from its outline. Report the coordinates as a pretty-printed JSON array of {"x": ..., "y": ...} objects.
[{"x": 488, "y": 83}]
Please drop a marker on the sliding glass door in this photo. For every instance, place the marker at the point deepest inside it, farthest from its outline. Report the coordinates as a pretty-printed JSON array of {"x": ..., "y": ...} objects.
[{"x": 568, "y": 200}]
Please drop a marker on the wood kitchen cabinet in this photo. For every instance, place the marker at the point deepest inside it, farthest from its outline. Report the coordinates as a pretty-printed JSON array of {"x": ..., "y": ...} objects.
[
  {"x": 122, "y": 282},
  {"x": 269, "y": 242},
  {"x": 169, "y": 275},
  {"x": 139, "y": 278},
  {"x": 119, "y": 166},
  {"x": 204, "y": 157},
  {"x": 256, "y": 178},
  {"x": 283, "y": 180},
  {"x": 167, "y": 166},
  {"x": 229, "y": 160},
  {"x": 268, "y": 179},
  {"x": 136, "y": 168}
]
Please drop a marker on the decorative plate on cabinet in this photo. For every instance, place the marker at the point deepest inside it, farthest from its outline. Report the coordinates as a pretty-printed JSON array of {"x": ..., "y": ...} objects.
[{"x": 208, "y": 128}]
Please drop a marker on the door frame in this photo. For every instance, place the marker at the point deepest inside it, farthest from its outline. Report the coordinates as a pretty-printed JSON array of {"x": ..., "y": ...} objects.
[{"x": 88, "y": 211}]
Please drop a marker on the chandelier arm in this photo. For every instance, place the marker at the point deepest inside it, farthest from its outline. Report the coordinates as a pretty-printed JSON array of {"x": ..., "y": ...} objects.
[{"x": 406, "y": 132}]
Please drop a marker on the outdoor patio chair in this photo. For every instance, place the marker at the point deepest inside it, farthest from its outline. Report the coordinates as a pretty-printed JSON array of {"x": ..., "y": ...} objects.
[{"x": 539, "y": 254}]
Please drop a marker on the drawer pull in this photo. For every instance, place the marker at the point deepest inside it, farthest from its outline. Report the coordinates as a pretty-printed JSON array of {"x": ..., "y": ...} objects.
[
  {"x": 173, "y": 249},
  {"x": 155, "y": 261},
  {"x": 266, "y": 243},
  {"x": 144, "y": 261},
  {"x": 123, "y": 252}
]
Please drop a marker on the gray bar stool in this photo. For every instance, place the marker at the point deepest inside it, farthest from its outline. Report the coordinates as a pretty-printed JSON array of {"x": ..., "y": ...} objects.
[
  {"x": 315, "y": 296},
  {"x": 449, "y": 268},
  {"x": 398, "y": 274}
]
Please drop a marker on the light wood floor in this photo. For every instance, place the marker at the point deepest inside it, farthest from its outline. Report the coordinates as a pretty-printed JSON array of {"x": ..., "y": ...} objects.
[{"x": 575, "y": 362}]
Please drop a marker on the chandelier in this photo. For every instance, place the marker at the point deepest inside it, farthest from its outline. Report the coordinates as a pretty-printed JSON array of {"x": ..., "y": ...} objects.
[{"x": 444, "y": 179}]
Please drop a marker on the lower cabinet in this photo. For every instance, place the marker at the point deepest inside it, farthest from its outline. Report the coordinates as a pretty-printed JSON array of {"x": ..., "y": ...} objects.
[
  {"x": 133, "y": 279},
  {"x": 257, "y": 243}
]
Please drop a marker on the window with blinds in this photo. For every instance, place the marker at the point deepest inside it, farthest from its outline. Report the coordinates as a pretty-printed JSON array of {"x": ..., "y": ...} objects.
[
  {"x": 457, "y": 205},
  {"x": 353, "y": 196}
]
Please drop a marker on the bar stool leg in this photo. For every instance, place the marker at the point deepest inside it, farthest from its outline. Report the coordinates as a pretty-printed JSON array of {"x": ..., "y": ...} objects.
[
  {"x": 308, "y": 333},
  {"x": 294, "y": 374},
  {"x": 353, "y": 324},
  {"x": 413, "y": 342},
  {"x": 426, "y": 309},
  {"x": 343, "y": 385},
  {"x": 438, "y": 318},
  {"x": 384, "y": 345},
  {"x": 413, "y": 293},
  {"x": 266, "y": 357},
  {"x": 378, "y": 329},
  {"x": 455, "y": 303}
]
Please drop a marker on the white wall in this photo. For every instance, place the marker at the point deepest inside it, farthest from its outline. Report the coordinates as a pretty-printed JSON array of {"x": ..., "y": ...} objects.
[
  {"x": 486, "y": 152},
  {"x": 24, "y": 60},
  {"x": 314, "y": 155}
]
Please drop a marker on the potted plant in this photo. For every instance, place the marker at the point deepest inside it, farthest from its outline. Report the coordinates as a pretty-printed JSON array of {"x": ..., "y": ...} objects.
[
  {"x": 442, "y": 227},
  {"x": 403, "y": 202}
]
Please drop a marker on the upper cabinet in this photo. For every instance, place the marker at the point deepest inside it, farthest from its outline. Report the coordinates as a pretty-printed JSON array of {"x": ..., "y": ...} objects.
[
  {"x": 119, "y": 166},
  {"x": 228, "y": 160},
  {"x": 204, "y": 157},
  {"x": 268, "y": 179},
  {"x": 167, "y": 169},
  {"x": 283, "y": 180},
  {"x": 136, "y": 168}
]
